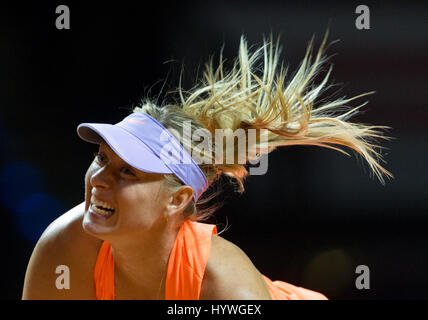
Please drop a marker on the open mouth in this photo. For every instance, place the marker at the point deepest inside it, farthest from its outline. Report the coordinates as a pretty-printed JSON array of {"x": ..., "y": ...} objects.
[{"x": 101, "y": 207}]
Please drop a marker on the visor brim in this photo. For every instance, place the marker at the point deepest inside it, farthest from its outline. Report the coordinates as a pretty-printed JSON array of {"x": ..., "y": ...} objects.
[{"x": 128, "y": 147}]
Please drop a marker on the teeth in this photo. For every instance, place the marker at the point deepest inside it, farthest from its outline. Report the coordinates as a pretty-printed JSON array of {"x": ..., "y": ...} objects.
[
  {"x": 96, "y": 204},
  {"x": 101, "y": 211}
]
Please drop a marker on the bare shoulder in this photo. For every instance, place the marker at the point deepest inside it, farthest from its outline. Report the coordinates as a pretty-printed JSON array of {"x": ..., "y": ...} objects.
[
  {"x": 63, "y": 243},
  {"x": 230, "y": 274}
]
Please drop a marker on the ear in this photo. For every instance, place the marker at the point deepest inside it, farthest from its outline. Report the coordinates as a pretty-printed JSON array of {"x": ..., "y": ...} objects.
[{"x": 179, "y": 200}]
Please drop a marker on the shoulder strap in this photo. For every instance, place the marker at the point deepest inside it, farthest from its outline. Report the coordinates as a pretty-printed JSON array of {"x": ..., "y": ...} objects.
[
  {"x": 188, "y": 259},
  {"x": 104, "y": 273}
]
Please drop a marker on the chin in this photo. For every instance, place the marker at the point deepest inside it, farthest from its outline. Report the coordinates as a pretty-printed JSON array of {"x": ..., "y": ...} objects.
[{"x": 97, "y": 227}]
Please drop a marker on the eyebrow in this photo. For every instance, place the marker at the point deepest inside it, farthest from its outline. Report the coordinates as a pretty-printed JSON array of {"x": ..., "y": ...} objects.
[
  {"x": 106, "y": 149},
  {"x": 106, "y": 146}
]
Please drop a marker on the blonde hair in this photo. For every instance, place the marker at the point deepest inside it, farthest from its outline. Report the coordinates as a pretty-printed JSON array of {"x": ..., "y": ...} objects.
[{"x": 254, "y": 96}]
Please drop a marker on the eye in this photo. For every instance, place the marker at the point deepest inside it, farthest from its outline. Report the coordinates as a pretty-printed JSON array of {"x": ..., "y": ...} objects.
[
  {"x": 128, "y": 171},
  {"x": 100, "y": 157}
]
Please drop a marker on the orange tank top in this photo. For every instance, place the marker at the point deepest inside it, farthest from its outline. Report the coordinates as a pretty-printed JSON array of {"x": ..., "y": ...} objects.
[{"x": 186, "y": 268}]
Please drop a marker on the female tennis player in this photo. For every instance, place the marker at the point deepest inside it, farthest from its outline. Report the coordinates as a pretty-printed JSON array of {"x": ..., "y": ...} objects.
[{"x": 139, "y": 233}]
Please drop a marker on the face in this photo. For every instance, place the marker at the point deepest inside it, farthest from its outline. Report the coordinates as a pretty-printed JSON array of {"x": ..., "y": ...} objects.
[{"x": 121, "y": 200}]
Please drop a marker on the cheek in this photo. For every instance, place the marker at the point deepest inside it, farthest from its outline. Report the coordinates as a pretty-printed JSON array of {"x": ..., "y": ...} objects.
[
  {"x": 140, "y": 202},
  {"x": 88, "y": 175}
]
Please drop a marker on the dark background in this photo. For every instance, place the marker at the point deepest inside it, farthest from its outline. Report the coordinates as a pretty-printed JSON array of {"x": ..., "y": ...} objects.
[{"x": 313, "y": 218}]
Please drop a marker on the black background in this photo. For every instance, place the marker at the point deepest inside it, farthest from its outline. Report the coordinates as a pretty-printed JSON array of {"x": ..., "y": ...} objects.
[{"x": 313, "y": 218}]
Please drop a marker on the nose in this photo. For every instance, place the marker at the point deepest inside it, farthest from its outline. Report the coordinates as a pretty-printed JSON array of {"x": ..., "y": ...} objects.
[{"x": 100, "y": 178}]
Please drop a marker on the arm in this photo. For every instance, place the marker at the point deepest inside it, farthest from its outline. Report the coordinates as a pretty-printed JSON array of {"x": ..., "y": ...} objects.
[
  {"x": 40, "y": 276},
  {"x": 62, "y": 243},
  {"x": 230, "y": 275}
]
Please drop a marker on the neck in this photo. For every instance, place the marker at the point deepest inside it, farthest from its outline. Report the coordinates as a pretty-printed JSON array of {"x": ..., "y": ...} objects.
[{"x": 142, "y": 262}]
